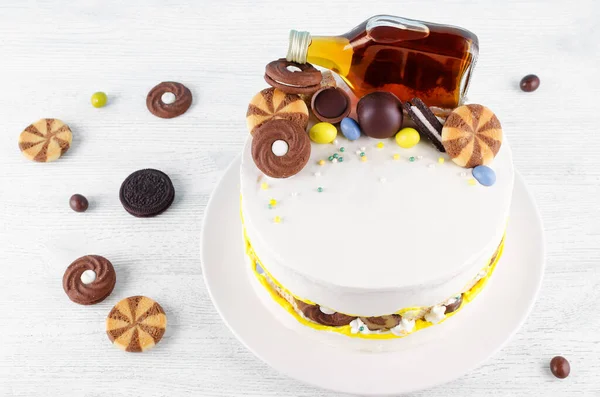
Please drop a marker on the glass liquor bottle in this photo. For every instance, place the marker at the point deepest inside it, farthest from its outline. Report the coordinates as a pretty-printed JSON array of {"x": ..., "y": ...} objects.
[{"x": 406, "y": 57}]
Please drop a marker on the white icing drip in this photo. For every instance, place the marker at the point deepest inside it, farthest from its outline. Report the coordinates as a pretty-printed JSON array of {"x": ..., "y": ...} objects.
[
  {"x": 424, "y": 120},
  {"x": 404, "y": 327}
]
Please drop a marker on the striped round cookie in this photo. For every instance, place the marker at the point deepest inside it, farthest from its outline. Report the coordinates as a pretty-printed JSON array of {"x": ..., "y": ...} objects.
[
  {"x": 45, "y": 140},
  {"x": 136, "y": 324},
  {"x": 272, "y": 104},
  {"x": 472, "y": 135}
]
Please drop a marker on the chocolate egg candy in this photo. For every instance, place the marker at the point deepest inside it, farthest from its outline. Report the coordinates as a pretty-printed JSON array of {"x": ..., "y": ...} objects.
[{"x": 379, "y": 114}]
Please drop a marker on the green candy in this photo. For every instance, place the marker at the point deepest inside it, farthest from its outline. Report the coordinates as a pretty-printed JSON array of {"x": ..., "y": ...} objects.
[{"x": 99, "y": 99}]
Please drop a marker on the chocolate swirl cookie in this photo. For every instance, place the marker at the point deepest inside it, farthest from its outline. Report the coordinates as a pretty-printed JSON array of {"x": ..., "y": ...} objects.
[
  {"x": 89, "y": 288},
  {"x": 472, "y": 135},
  {"x": 147, "y": 193},
  {"x": 136, "y": 324},
  {"x": 314, "y": 313},
  {"x": 280, "y": 148},
  {"x": 293, "y": 78},
  {"x": 157, "y": 106}
]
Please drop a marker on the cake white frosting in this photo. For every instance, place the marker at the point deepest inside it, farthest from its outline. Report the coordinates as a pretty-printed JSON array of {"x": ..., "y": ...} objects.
[{"x": 382, "y": 234}]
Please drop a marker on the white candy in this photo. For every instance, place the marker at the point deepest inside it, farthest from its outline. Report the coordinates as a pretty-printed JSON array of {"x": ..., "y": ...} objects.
[
  {"x": 279, "y": 148},
  {"x": 436, "y": 314},
  {"x": 168, "y": 98},
  {"x": 88, "y": 276},
  {"x": 404, "y": 327},
  {"x": 326, "y": 310}
]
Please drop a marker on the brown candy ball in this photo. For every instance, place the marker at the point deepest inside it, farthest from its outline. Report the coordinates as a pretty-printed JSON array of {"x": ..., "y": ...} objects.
[
  {"x": 530, "y": 83},
  {"x": 379, "y": 114},
  {"x": 560, "y": 367},
  {"x": 78, "y": 203}
]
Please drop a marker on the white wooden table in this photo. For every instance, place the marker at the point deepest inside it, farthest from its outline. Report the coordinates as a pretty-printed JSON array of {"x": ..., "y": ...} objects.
[{"x": 55, "y": 54}]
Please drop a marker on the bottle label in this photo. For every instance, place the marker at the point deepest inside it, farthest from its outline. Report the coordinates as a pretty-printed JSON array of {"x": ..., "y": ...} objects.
[{"x": 387, "y": 29}]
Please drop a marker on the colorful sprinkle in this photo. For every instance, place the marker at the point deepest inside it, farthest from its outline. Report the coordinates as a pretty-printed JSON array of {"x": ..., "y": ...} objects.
[
  {"x": 334, "y": 160},
  {"x": 396, "y": 156},
  {"x": 294, "y": 194},
  {"x": 472, "y": 182},
  {"x": 264, "y": 186},
  {"x": 463, "y": 174},
  {"x": 277, "y": 219},
  {"x": 420, "y": 157},
  {"x": 317, "y": 173},
  {"x": 441, "y": 160},
  {"x": 340, "y": 159},
  {"x": 411, "y": 159},
  {"x": 273, "y": 202},
  {"x": 358, "y": 152},
  {"x": 320, "y": 189},
  {"x": 362, "y": 149},
  {"x": 380, "y": 145},
  {"x": 330, "y": 158},
  {"x": 361, "y": 328},
  {"x": 321, "y": 162},
  {"x": 335, "y": 156},
  {"x": 382, "y": 179},
  {"x": 342, "y": 149},
  {"x": 362, "y": 154},
  {"x": 363, "y": 158},
  {"x": 431, "y": 165}
]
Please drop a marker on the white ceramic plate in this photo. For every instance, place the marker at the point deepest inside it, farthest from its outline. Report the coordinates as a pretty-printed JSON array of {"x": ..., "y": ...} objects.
[{"x": 427, "y": 358}]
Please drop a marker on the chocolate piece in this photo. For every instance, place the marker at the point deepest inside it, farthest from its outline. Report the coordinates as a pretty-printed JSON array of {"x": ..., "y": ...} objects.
[
  {"x": 530, "y": 83},
  {"x": 472, "y": 135},
  {"x": 454, "y": 306},
  {"x": 283, "y": 164},
  {"x": 379, "y": 114},
  {"x": 426, "y": 122},
  {"x": 330, "y": 104},
  {"x": 78, "y": 203},
  {"x": 95, "y": 291},
  {"x": 136, "y": 324},
  {"x": 156, "y": 106},
  {"x": 381, "y": 322},
  {"x": 147, "y": 193},
  {"x": 45, "y": 140},
  {"x": 560, "y": 367},
  {"x": 305, "y": 81},
  {"x": 272, "y": 104},
  {"x": 314, "y": 313}
]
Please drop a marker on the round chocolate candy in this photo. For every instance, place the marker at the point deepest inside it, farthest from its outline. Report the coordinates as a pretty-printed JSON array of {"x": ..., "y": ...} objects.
[
  {"x": 78, "y": 203},
  {"x": 350, "y": 129},
  {"x": 323, "y": 132},
  {"x": 560, "y": 367},
  {"x": 484, "y": 175},
  {"x": 530, "y": 83},
  {"x": 280, "y": 148},
  {"x": 330, "y": 104},
  {"x": 379, "y": 114}
]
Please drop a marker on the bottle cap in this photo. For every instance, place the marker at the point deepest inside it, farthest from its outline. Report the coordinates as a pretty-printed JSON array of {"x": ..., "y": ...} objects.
[{"x": 298, "y": 47}]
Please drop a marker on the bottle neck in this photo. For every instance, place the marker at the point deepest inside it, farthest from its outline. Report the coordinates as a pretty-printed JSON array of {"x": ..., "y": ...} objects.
[{"x": 298, "y": 47}]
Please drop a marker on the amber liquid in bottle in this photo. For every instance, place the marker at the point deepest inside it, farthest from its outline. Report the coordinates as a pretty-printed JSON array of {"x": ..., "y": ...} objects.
[{"x": 406, "y": 57}]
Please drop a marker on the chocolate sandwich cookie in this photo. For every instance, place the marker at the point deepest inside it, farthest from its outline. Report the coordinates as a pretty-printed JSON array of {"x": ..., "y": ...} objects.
[
  {"x": 280, "y": 148},
  {"x": 426, "y": 122},
  {"x": 147, "y": 193},
  {"x": 472, "y": 135},
  {"x": 136, "y": 324},
  {"x": 331, "y": 104},
  {"x": 89, "y": 279},
  {"x": 323, "y": 316},
  {"x": 169, "y": 99},
  {"x": 273, "y": 104},
  {"x": 293, "y": 78},
  {"x": 45, "y": 140}
]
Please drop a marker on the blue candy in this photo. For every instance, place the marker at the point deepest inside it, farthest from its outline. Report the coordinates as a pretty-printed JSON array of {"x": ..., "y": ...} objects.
[
  {"x": 350, "y": 129},
  {"x": 484, "y": 175}
]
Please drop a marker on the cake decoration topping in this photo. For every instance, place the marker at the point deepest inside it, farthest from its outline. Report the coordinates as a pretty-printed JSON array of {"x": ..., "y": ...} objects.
[
  {"x": 264, "y": 186},
  {"x": 405, "y": 326},
  {"x": 381, "y": 322},
  {"x": 379, "y": 114},
  {"x": 350, "y": 129},
  {"x": 426, "y": 122},
  {"x": 323, "y": 315},
  {"x": 436, "y": 314},
  {"x": 321, "y": 162},
  {"x": 484, "y": 175},
  {"x": 380, "y": 145},
  {"x": 472, "y": 182},
  {"x": 412, "y": 159},
  {"x": 407, "y": 137},
  {"x": 293, "y": 78},
  {"x": 396, "y": 156},
  {"x": 280, "y": 166},
  {"x": 441, "y": 160},
  {"x": 272, "y": 104},
  {"x": 530, "y": 83},
  {"x": 277, "y": 219},
  {"x": 320, "y": 189},
  {"x": 156, "y": 106},
  {"x": 453, "y": 304},
  {"x": 323, "y": 132},
  {"x": 330, "y": 104},
  {"x": 472, "y": 135}
]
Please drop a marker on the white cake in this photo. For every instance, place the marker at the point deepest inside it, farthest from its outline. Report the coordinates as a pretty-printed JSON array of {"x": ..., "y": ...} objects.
[{"x": 395, "y": 242}]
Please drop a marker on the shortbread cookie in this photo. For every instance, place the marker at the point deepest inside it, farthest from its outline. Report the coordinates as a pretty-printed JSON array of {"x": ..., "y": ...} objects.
[
  {"x": 136, "y": 324},
  {"x": 472, "y": 135},
  {"x": 273, "y": 104},
  {"x": 45, "y": 140}
]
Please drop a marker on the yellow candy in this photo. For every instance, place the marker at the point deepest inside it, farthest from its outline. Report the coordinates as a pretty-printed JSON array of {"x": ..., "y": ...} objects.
[
  {"x": 264, "y": 186},
  {"x": 407, "y": 137},
  {"x": 323, "y": 133},
  {"x": 396, "y": 156}
]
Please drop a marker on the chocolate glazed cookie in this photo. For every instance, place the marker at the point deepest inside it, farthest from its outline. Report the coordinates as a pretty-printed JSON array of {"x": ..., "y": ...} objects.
[
  {"x": 304, "y": 81},
  {"x": 280, "y": 148},
  {"x": 173, "y": 107},
  {"x": 89, "y": 279}
]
